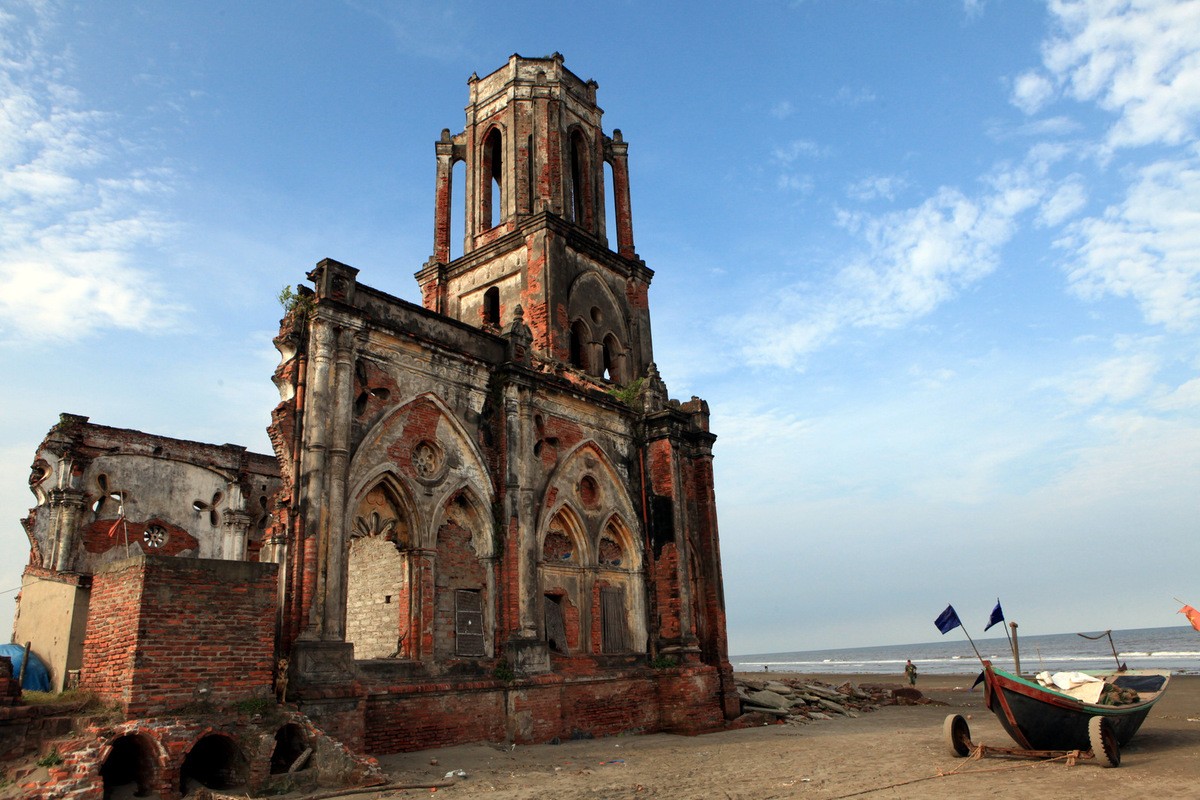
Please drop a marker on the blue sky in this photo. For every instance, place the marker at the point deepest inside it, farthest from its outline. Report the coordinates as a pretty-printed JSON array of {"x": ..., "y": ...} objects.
[{"x": 935, "y": 266}]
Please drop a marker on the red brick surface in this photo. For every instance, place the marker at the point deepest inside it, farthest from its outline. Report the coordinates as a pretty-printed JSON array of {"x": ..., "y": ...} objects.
[{"x": 167, "y": 632}]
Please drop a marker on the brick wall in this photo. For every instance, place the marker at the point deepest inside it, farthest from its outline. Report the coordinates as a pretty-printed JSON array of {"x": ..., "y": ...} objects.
[
  {"x": 457, "y": 568},
  {"x": 165, "y": 632},
  {"x": 376, "y": 597},
  {"x": 537, "y": 710},
  {"x": 423, "y": 717}
]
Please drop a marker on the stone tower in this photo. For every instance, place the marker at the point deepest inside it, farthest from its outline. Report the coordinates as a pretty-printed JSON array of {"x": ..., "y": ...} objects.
[{"x": 534, "y": 222}]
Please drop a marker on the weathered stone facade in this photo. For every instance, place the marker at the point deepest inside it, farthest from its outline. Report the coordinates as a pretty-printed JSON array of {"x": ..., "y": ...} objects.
[
  {"x": 487, "y": 521},
  {"x": 106, "y": 494},
  {"x": 497, "y": 479}
]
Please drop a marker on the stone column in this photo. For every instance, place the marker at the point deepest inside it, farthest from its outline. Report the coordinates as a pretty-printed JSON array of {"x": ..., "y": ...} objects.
[
  {"x": 334, "y": 623},
  {"x": 313, "y": 480},
  {"x": 621, "y": 204},
  {"x": 67, "y": 508},
  {"x": 234, "y": 535},
  {"x": 443, "y": 198}
]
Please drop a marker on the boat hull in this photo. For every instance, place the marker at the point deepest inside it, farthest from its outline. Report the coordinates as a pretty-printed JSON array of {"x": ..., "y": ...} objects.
[{"x": 1041, "y": 719}]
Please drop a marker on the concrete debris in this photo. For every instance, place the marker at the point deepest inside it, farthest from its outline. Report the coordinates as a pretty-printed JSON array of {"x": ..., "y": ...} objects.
[{"x": 796, "y": 701}]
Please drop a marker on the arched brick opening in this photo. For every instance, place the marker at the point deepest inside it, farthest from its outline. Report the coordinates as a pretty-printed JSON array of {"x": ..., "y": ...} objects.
[
  {"x": 131, "y": 763},
  {"x": 290, "y": 745},
  {"x": 215, "y": 762}
]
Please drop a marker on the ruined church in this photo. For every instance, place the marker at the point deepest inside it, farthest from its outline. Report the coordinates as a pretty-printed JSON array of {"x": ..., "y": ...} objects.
[{"x": 484, "y": 518}]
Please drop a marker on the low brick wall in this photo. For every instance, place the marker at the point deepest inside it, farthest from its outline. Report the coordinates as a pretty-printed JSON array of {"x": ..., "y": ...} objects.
[
  {"x": 420, "y": 716},
  {"x": 166, "y": 632}
]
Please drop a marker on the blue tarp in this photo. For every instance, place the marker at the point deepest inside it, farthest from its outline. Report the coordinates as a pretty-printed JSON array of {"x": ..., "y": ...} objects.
[{"x": 37, "y": 677}]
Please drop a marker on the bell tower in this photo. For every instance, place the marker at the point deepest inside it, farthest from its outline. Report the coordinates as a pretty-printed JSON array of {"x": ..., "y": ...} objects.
[{"x": 535, "y": 232}]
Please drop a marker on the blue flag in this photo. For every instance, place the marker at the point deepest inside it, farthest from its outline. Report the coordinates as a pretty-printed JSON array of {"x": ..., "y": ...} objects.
[
  {"x": 997, "y": 615},
  {"x": 948, "y": 620}
]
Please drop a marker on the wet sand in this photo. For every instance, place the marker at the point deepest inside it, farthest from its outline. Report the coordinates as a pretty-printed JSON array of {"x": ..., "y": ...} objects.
[{"x": 894, "y": 752}]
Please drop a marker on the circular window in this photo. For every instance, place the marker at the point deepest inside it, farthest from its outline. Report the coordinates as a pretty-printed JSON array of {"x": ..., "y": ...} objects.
[
  {"x": 597, "y": 316},
  {"x": 155, "y": 536},
  {"x": 426, "y": 460}
]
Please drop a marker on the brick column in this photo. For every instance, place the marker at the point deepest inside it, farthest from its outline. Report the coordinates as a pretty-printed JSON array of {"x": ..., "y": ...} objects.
[
  {"x": 443, "y": 196},
  {"x": 621, "y": 204}
]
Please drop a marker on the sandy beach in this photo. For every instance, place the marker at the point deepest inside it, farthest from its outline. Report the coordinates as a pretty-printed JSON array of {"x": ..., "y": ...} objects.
[{"x": 896, "y": 751}]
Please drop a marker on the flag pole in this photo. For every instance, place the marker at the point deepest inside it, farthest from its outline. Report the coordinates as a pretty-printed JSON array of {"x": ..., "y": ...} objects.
[{"x": 972, "y": 641}]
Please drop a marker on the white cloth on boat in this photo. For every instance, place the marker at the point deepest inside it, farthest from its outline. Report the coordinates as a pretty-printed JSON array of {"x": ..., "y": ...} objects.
[{"x": 1077, "y": 684}]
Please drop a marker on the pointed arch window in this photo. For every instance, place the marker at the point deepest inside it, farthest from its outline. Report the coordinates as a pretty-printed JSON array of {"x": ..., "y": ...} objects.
[
  {"x": 491, "y": 306},
  {"x": 614, "y": 360},
  {"x": 579, "y": 203},
  {"x": 492, "y": 194},
  {"x": 578, "y": 346}
]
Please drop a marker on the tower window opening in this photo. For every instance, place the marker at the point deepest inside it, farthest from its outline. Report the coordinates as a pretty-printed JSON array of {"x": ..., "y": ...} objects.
[
  {"x": 529, "y": 172},
  {"x": 612, "y": 360},
  {"x": 577, "y": 203},
  {"x": 578, "y": 347},
  {"x": 610, "y": 210},
  {"x": 493, "y": 171},
  {"x": 491, "y": 306}
]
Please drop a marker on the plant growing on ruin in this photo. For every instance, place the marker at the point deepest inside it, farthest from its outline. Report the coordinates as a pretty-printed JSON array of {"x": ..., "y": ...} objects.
[
  {"x": 51, "y": 759},
  {"x": 630, "y": 393},
  {"x": 253, "y": 705},
  {"x": 664, "y": 662},
  {"x": 293, "y": 300},
  {"x": 504, "y": 672}
]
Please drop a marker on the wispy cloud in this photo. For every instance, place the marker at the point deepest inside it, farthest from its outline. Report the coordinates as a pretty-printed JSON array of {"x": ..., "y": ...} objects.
[
  {"x": 875, "y": 187},
  {"x": 1139, "y": 60},
  {"x": 433, "y": 30},
  {"x": 913, "y": 260},
  {"x": 796, "y": 149},
  {"x": 1111, "y": 381},
  {"x": 853, "y": 96},
  {"x": 74, "y": 219},
  {"x": 1147, "y": 247}
]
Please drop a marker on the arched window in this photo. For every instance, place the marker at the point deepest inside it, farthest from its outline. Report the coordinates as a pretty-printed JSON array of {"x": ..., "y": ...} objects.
[
  {"x": 610, "y": 209},
  {"x": 579, "y": 202},
  {"x": 382, "y": 597},
  {"x": 492, "y": 206},
  {"x": 491, "y": 306},
  {"x": 579, "y": 342},
  {"x": 614, "y": 359}
]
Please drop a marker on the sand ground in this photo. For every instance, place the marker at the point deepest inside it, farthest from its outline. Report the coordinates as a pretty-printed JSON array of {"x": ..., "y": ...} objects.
[{"x": 895, "y": 752}]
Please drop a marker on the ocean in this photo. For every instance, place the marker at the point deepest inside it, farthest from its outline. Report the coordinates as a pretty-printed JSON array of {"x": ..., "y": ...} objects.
[{"x": 1176, "y": 649}]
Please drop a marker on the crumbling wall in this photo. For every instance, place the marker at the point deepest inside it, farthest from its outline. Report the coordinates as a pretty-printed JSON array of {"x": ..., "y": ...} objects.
[{"x": 166, "y": 633}]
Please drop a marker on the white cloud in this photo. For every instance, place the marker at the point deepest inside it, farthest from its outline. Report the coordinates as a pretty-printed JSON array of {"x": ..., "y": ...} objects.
[
  {"x": 913, "y": 261},
  {"x": 73, "y": 219},
  {"x": 854, "y": 96},
  {"x": 1065, "y": 202},
  {"x": 1139, "y": 59},
  {"x": 1146, "y": 247},
  {"x": 876, "y": 186},
  {"x": 1184, "y": 397},
  {"x": 783, "y": 109},
  {"x": 1030, "y": 92},
  {"x": 973, "y": 7},
  {"x": 795, "y": 149},
  {"x": 795, "y": 183},
  {"x": 1112, "y": 381}
]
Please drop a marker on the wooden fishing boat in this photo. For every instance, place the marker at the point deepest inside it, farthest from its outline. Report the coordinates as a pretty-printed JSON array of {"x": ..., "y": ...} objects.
[{"x": 1045, "y": 721}]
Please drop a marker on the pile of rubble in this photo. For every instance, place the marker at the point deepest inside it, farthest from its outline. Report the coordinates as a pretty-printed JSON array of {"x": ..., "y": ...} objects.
[{"x": 797, "y": 701}]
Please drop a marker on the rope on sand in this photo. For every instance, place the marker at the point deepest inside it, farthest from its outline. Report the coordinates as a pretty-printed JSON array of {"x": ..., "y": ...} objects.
[{"x": 1069, "y": 758}]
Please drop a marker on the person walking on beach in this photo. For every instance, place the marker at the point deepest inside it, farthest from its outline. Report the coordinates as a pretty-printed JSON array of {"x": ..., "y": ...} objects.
[{"x": 910, "y": 671}]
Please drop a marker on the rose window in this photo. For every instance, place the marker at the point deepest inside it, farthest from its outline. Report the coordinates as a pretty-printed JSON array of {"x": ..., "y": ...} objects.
[
  {"x": 155, "y": 536},
  {"x": 426, "y": 460}
]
